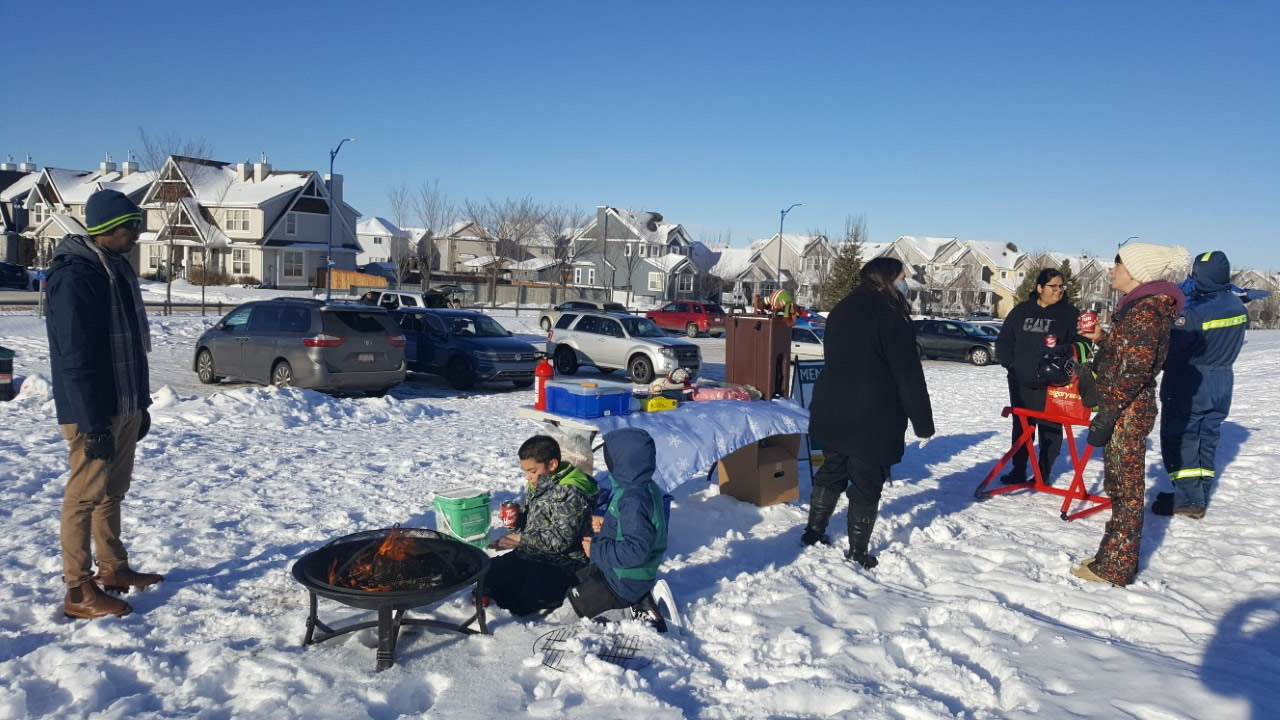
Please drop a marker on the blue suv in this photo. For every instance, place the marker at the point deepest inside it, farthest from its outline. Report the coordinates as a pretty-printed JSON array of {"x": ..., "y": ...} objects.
[{"x": 465, "y": 347}]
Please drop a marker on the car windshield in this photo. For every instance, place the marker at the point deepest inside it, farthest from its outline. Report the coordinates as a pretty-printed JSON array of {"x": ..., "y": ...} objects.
[
  {"x": 972, "y": 330},
  {"x": 614, "y": 307},
  {"x": 641, "y": 327},
  {"x": 476, "y": 326}
]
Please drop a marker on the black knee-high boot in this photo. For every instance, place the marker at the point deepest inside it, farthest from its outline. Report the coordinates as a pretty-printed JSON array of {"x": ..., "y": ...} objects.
[
  {"x": 822, "y": 503},
  {"x": 862, "y": 520}
]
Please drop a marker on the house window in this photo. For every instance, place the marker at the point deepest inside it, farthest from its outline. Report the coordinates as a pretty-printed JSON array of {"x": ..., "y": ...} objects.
[
  {"x": 655, "y": 281},
  {"x": 239, "y": 261},
  {"x": 238, "y": 220},
  {"x": 626, "y": 249},
  {"x": 39, "y": 213},
  {"x": 155, "y": 256},
  {"x": 291, "y": 224},
  {"x": 577, "y": 276},
  {"x": 377, "y": 241},
  {"x": 591, "y": 276},
  {"x": 292, "y": 263},
  {"x": 686, "y": 283},
  {"x": 1004, "y": 274},
  {"x": 644, "y": 250}
]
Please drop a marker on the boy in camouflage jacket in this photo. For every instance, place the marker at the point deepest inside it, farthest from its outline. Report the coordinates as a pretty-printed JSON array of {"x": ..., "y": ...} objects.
[{"x": 546, "y": 549}]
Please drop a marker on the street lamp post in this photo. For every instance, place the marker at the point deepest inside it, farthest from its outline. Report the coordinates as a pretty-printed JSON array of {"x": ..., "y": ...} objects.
[
  {"x": 782, "y": 219},
  {"x": 328, "y": 277}
]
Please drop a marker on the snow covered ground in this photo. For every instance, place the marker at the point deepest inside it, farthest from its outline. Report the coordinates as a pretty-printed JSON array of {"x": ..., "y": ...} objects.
[{"x": 971, "y": 613}]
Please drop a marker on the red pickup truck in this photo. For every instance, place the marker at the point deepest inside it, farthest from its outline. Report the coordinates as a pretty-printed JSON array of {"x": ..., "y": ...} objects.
[{"x": 691, "y": 318}]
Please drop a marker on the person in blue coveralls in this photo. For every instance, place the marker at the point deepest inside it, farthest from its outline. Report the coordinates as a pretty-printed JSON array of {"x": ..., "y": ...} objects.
[{"x": 1195, "y": 395}]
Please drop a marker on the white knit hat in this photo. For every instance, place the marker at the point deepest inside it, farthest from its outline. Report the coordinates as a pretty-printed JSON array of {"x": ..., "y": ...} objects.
[{"x": 1147, "y": 262}]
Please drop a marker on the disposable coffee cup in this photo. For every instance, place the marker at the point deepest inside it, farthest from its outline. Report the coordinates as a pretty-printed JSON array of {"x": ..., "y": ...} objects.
[{"x": 1088, "y": 322}]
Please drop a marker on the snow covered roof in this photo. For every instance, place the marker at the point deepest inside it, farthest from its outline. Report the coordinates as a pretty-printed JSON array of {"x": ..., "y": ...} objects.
[
  {"x": 874, "y": 250},
  {"x": 75, "y": 186},
  {"x": 534, "y": 264},
  {"x": 730, "y": 263},
  {"x": 482, "y": 261},
  {"x": 1001, "y": 255},
  {"x": 668, "y": 262},
  {"x": 797, "y": 242},
  {"x": 216, "y": 183},
  {"x": 378, "y": 226},
  {"x": 638, "y": 221},
  {"x": 20, "y": 187},
  {"x": 60, "y": 225},
  {"x": 927, "y": 246}
]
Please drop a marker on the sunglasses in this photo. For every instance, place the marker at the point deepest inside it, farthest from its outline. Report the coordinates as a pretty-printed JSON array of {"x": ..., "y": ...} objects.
[{"x": 135, "y": 225}]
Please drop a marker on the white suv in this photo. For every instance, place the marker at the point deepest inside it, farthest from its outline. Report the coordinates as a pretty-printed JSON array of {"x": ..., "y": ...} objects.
[{"x": 610, "y": 341}]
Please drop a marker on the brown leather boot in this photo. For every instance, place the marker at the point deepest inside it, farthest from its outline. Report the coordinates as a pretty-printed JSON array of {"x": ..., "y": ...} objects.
[
  {"x": 122, "y": 578},
  {"x": 89, "y": 603}
]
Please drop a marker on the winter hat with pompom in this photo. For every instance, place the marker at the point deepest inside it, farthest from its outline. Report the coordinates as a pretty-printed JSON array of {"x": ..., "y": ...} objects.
[{"x": 1148, "y": 263}]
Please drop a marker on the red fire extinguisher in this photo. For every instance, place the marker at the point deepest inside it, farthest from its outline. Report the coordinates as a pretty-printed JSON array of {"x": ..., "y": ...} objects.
[{"x": 543, "y": 372}]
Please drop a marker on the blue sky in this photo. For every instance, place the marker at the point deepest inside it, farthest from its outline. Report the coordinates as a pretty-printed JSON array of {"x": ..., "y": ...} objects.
[{"x": 1064, "y": 126}]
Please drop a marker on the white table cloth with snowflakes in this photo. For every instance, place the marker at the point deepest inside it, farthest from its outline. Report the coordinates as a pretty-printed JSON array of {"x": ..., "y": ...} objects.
[{"x": 693, "y": 437}]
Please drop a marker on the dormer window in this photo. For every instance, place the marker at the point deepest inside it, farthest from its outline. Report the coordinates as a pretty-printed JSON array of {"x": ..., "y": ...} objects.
[{"x": 291, "y": 224}]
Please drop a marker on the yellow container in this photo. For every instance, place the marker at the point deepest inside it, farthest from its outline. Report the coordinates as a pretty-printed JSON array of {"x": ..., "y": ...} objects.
[{"x": 658, "y": 404}]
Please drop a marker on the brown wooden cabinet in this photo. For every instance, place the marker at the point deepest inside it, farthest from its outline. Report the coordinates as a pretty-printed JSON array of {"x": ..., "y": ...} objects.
[{"x": 758, "y": 353}]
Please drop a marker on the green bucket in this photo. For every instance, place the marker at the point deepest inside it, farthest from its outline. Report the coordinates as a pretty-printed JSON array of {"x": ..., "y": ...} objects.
[{"x": 463, "y": 513}]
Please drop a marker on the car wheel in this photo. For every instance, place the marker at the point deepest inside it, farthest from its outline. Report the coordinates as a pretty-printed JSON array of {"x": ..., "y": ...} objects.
[
  {"x": 205, "y": 369},
  {"x": 920, "y": 350},
  {"x": 459, "y": 375},
  {"x": 546, "y": 324},
  {"x": 566, "y": 361},
  {"x": 691, "y": 330},
  {"x": 641, "y": 369},
  {"x": 282, "y": 374},
  {"x": 980, "y": 356},
  {"x": 522, "y": 383}
]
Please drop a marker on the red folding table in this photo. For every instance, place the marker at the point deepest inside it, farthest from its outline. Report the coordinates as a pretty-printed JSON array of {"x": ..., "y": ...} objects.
[{"x": 1075, "y": 492}]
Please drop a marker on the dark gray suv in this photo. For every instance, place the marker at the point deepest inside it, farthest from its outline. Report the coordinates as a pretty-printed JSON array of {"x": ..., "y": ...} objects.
[{"x": 306, "y": 343}]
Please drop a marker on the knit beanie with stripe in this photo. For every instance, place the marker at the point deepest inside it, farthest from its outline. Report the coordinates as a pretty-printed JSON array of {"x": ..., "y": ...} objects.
[{"x": 108, "y": 210}]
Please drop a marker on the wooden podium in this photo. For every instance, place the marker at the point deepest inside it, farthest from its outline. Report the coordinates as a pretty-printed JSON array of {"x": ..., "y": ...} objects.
[{"x": 758, "y": 353}]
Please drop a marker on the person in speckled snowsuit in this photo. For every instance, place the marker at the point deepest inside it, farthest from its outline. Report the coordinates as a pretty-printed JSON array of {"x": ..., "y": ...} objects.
[{"x": 1128, "y": 360}]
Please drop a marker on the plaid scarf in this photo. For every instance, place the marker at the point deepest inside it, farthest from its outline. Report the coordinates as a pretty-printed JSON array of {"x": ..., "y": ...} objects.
[{"x": 130, "y": 333}]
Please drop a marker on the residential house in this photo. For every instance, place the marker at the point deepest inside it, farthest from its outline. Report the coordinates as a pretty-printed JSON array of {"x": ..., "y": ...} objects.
[
  {"x": 381, "y": 242},
  {"x": 999, "y": 272},
  {"x": 631, "y": 250},
  {"x": 57, "y": 191},
  {"x": 16, "y": 182},
  {"x": 807, "y": 261},
  {"x": 247, "y": 220}
]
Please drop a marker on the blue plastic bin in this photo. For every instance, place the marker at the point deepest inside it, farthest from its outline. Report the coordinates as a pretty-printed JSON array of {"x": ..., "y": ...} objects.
[{"x": 587, "y": 401}]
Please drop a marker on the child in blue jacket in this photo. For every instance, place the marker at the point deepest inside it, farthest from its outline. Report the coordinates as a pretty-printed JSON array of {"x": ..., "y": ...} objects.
[{"x": 628, "y": 548}]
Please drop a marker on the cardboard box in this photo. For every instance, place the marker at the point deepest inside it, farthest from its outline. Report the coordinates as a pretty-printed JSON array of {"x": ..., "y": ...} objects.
[{"x": 763, "y": 473}]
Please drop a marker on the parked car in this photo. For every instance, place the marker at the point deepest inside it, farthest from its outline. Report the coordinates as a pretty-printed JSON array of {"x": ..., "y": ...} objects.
[
  {"x": 806, "y": 343},
  {"x": 954, "y": 339},
  {"x": 14, "y": 276},
  {"x": 690, "y": 318},
  {"x": 609, "y": 341},
  {"x": 550, "y": 317},
  {"x": 306, "y": 343},
  {"x": 396, "y": 299},
  {"x": 465, "y": 347},
  {"x": 979, "y": 315}
]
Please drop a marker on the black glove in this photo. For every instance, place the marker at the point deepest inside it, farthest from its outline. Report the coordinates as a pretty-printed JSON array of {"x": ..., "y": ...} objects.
[
  {"x": 1101, "y": 429},
  {"x": 145, "y": 427},
  {"x": 100, "y": 446}
]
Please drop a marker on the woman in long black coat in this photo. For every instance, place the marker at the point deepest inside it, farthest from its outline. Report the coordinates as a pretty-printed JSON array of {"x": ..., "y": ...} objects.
[{"x": 872, "y": 384}]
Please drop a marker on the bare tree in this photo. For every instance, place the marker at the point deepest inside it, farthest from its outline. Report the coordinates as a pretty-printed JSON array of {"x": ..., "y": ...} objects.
[
  {"x": 436, "y": 214},
  {"x": 505, "y": 227},
  {"x": 401, "y": 255},
  {"x": 563, "y": 225},
  {"x": 155, "y": 152}
]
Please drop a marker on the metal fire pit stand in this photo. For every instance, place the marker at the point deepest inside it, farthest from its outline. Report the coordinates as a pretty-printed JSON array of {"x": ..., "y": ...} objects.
[{"x": 390, "y": 620}]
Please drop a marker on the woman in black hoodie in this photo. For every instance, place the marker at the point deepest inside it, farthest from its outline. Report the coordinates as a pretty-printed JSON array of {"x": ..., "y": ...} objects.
[
  {"x": 1019, "y": 347},
  {"x": 872, "y": 384}
]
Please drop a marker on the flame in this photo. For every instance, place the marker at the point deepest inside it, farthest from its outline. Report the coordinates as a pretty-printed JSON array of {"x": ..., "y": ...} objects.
[{"x": 365, "y": 571}]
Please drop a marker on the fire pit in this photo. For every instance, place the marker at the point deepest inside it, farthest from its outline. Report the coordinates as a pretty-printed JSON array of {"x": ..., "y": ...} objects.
[{"x": 391, "y": 571}]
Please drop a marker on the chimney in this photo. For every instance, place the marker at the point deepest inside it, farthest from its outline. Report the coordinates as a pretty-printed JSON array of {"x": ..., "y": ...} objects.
[
  {"x": 8, "y": 165},
  {"x": 107, "y": 166},
  {"x": 28, "y": 166},
  {"x": 128, "y": 167},
  {"x": 261, "y": 169},
  {"x": 600, "y": 220},
  {"x": 242, "y": 171},
  {"x": 335, "y": 188}
]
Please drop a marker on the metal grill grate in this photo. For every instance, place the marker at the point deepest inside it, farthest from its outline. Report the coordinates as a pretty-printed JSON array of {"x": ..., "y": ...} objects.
[{"x": 622, "y": 650}]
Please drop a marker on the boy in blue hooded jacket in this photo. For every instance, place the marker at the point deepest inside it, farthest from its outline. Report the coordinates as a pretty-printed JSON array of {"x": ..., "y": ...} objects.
[{"x": 632, "y": 540}]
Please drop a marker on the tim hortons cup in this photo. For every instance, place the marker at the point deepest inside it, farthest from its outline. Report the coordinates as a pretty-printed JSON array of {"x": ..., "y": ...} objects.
[
  {"x": 1088, "y": 322},
  {"x": 509, "y": 514},
  {"x": 1050, "y": 341}
]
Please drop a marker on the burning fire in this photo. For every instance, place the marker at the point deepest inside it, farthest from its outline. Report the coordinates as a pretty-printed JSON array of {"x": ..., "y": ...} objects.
[{"x": 372, "y": 570}]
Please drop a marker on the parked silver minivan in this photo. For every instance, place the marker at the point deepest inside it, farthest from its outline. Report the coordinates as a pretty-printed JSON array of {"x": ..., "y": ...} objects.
[{"x": 306, "y": 343}]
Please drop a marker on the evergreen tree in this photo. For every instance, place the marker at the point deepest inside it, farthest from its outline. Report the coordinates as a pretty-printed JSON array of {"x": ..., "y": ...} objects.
[
  {"x": 1027, "y": 287},
  {"x": 844, "y": 273},
  {"x": 1072, "y": 283}
]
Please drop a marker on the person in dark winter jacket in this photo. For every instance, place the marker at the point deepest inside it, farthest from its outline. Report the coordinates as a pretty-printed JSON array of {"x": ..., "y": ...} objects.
[
  {"x": 630, "y": 544},
  {"x": 98, "y": 345},
  {"x": 1195, "y": 394},
  {"x": 1128, "y": 360},
  {"x": 872, "y": 384},
  {"x": 1020, "y": 347},
  {"x": 547, "y": 551}
]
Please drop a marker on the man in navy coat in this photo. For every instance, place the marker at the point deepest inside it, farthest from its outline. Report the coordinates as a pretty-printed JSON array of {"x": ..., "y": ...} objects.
[{"x": 1196, "y": 392}]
